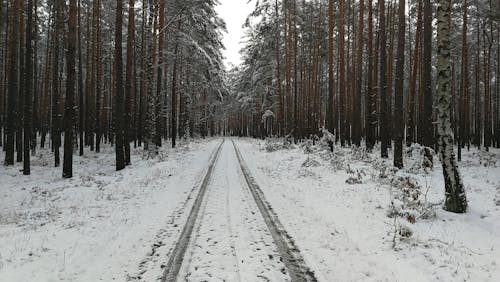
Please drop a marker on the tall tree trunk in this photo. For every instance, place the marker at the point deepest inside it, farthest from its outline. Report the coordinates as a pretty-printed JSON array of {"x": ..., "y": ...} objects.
[
  {"x": 97, "y": 74},
  {"x": 455, "y": 200},
  {"x": 280, "y": 113},
  {"x": 28, "y": 89},
  {"x": 129, "y": 79},
  {"x": 81, "y": 98},
  {"x": 399, "y": 85},
  {"x": 13, "y": 80},
  {"x": 118, "y": 85},
  {"x": 70, "y": 90},
  {"x": 411, "y": 120},
  {"x": 342, "y": 88},
  {"x": 427, "y": 114},
  {"x": 370, "y": 93},
  {"x": 56, "y": 99},
  {"x": 159, "y": 79},
  {"x": 359, "y": 78},
  {"x": 383, "y": 83},
  {"x": 331, "y": 78},
  {"x": 174, "y": 87}
]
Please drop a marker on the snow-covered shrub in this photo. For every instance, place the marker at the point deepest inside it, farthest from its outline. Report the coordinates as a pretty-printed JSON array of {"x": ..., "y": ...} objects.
[
  {"x": 308, "y": 147},
  {"x": 276, "y": 144},
  {"x": 487, "y": 159},
  {"x": 338, "y": 160},
  {"x": 382, "y": 171},
  {"x": 407, "y": 200},
  {"x": 356, "y": 177},
  {"x": 310, "y": 162},
  {"x": 418, "y": 159},
  {"x": 327, "y": 140},
  {"x": 360, "y": 154}
]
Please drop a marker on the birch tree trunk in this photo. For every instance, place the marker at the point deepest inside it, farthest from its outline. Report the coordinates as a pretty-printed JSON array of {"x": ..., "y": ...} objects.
[{"x": 455, "y": 199}]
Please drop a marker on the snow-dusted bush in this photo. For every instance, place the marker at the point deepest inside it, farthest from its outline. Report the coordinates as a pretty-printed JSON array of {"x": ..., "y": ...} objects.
[
  {"x": 418, "y": 159},
  {"x": 276, "y": 144},
  {"x": 487, "y": 159},
  {"x": 407, "y": 201},
  {"x": 382, "y": 171},
  {"x": 310, "y": 162},
  {"x": 327, "y": 140},
  {"x": 356, "y": 177}
]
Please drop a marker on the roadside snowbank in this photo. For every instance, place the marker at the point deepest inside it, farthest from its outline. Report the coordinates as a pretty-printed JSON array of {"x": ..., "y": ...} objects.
[
  {"x": 99, "y": 225},
  {"x": 336, "y": 206}
]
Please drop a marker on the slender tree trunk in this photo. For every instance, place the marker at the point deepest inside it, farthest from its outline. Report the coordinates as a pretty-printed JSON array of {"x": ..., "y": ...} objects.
[
  {"x": 129, "y": 85},
  {"x": 81, "y": 98},
  {"x": 118, "y": 85},
  {"x": 411, "y": 120},
  {"x": 399, "y": 85},
  {"x": 56, "y": 100},
  {"x": 28, "y": 90},
  {"x": 427, "y": 114},
  {"x": 370, "y": 94},
  {"x": 97, "y": 75},
  {"x": 70, "y": 90},
  {"x": 159, "y": 85},
  {"x": 342, "y": 88},
  {"x": 455, "y": 200},
  {"x": 359, "y": 78},
  {"x": 174, "y": 87},
  {"x": 13, "y": 80},
  {"x": 331, "y": 78},
  {"x": 383, "y": 83},
  {"x": 280, "y": 113}
]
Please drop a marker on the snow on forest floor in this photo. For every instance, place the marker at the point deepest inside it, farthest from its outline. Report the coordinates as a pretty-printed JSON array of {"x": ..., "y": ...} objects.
[
  {"x": 101, "y": 224},
  {"x": 353, "y": 217},
  {"x": 337, "y": 206}
]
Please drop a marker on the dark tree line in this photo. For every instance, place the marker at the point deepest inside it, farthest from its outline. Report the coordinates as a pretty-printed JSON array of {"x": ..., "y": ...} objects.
[
  {"x": 64, "y": 73},
  {"x": 371, "y": 71}
]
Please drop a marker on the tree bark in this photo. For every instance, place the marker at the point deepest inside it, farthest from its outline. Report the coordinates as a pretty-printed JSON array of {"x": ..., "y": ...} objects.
[
  {"x": 383, "y": 83},
  {"x": 455, "y": 199},
  {"x": 129, "y": 79},
  {"x": 13, "y": 80},
  {"x": 399, "y": 85},
  {"x": 118, "y": 85},
  {"x": 70, "y": 90},
  {"x": 28, "y": 90}
]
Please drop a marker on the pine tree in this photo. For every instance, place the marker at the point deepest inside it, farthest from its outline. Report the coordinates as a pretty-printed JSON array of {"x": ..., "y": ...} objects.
[
  {"x": 70, "y": 90},
  {"x": 13, "y": 80},
  {"x": 119, "y": 108},
  {"x": 399, "y": 85},
  {"x": 28, "y": 90},
  {"x": 129, "y": 79},
  {"x": 384, "y": 120}
]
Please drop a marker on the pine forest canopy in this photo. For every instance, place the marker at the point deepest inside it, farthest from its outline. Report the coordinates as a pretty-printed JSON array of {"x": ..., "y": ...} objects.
[{"x": 390, "y": 72}]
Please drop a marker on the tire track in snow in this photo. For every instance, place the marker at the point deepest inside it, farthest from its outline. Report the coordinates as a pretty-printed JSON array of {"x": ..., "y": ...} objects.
[
  {"x": 230, "y": 240},
  {"x": 293, "y": 259},
  {"x": 175, "y": 260}
]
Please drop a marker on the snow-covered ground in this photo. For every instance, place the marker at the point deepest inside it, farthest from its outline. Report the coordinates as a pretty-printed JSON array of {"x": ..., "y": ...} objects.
[
  {"x": 231, "y": 241},
  {"x": 101, "y": 225},
  {"x": 344, "y": 230},
  {"x": 352, "y": 216}
]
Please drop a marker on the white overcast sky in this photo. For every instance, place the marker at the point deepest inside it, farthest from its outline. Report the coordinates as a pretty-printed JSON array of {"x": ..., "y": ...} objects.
[{"x": 234, "y": 13}]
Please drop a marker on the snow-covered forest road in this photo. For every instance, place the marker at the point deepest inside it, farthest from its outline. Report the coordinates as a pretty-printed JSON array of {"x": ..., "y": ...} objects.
[{"x": 341, "y": 213}]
